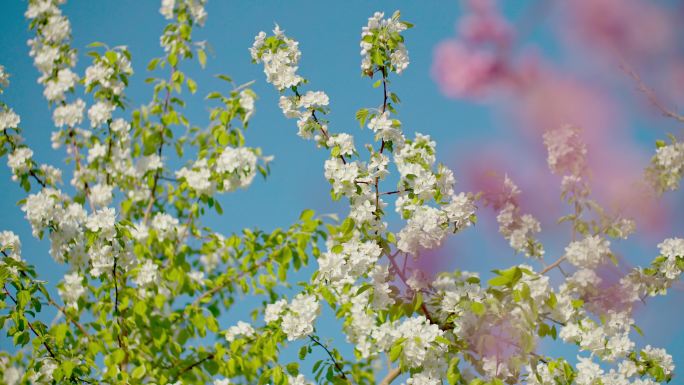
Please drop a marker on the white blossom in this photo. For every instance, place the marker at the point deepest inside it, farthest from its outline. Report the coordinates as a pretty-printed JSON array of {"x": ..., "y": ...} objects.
[
  {"x": 166, "y": 8},
  {"x": 147, "y": 274},
  {"x": 241, "y": 329},
  {"x": 72, "y": 289},
  {"x": 99, "y": 113},
  {"x": 69, "y": 115},
  {"x": 20, "y": 161},
  {"x": 589, "y": 252},
  {"x": 8, "y": 119}
]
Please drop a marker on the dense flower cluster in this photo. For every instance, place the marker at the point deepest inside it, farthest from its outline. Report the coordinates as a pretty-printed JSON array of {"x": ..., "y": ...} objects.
[
  {"x": 381, "y": 39},
  {"x": 296, "y": 318},
  {"x": 280, "y": 56},
  {"x": 566, "y": 151},
  {"x": 667, "y": 166},
  {"x": 51, "y": 50}
]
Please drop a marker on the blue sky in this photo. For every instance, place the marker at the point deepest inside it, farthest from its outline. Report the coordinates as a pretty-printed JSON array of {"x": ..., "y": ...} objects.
[{"x": 328, "y": 33}]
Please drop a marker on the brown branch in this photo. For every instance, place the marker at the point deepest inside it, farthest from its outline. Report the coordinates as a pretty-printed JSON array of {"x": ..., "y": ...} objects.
[
  {"x": 77, "y": 159},
  {"x": 337, "y": 365},
  {"x": 649, "y": 93},
  {"x": 30, "y": 325},
  {"x": 211, "y": 292},
  {"x": 68, "y": 317},
  {"x": 393, "y": 192},
  {"x": 157, "y": 173},
  {"x": 119, "y": 321},
  {"x": 110, "y": 142},
  {"x": 391, "y": 376},
  {"x": 404, "y": 279},
  {"x": 53, "y": 303},
  {"x": 382, "y": 144},
  {"x": 194, "y": 364},
  {"x": 553, "y": 265}
]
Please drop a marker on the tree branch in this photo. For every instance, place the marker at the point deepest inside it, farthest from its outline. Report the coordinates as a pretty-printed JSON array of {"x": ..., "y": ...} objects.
[
  {"x": 332, "y": 358},
  {"x": 391, "y": 376},
  {"x": 649, "y": 93},
  {"x": 553, "y": 265},
  {"x": 157, "y": 173}
]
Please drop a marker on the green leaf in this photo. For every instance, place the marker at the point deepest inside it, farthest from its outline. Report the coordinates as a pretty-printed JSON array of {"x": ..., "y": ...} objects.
[
  {"x": 395, "y": 351},
  {"x": 224, "y": 78},
  {"x": 477, "y": 307},
  {"x": 192, "y": 85},
  {"x": 4, "y": 273},
  {"x": 173, "y": 59},
  {"x": 202, "y": 57},
  {"x": 60, "y": 332},
  {"x": 23, "y": 298},
  {"x": 292, "y": 368},
  {"x": 303, "y": 351},
  {"x": 347, "y": 226},
  {"x": 306, "y": 215},
  {"x": 499, "y": 281},
  {"x": 362, "y": 116},
  {"x": 453, "y": 374},
  {"x": 152, "y": 64},
  {"x": 138, "y": 372},
  {"x": 363, "y": 288}
]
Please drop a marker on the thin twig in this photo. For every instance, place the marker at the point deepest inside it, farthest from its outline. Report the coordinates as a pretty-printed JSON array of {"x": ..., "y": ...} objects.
[
  {"x": 649, "y": 93},
  {"x": 211, "y": 292},
  {"x": 195, "y": 364},
  {"x": 404, "y": 279},
  {"x": 320, "y": 126},
  {"x": 157, "y": 173},
  {"x": 337, "y": 365},
  {"x": 553, "y": 265},
  {"x": 30, "y": 325}
]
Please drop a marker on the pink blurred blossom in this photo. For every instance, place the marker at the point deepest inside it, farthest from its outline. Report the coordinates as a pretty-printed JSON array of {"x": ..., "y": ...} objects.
[
  {"x": 635, "y": 29},
  {"x": 462, "y": 71}
]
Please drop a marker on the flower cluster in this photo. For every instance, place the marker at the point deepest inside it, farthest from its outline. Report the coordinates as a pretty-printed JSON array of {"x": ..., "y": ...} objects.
[
  {"x": 345, "y": 263},
  {"x": 418, "y": 340},
  {"x": 566, "y": 150},
  {"x": 51, "y": 50},
  {"x": 235, "y": 168},
  {"x": 588, "y": 253},
  {"x": 303, "y": 108},
  {"x": 517, "y": 228},
  {"x": 280, "y": 56},
  {"x": 176, "y": 39},
  {"x": 382, "y": 45},
  {"x": 72, "y": 289},
  {"x": 296, "y": 318},
  {"x": 241, "y": 329},
  {"x": 8, "y": 119},
  {"x": 667, "y": 166}
]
